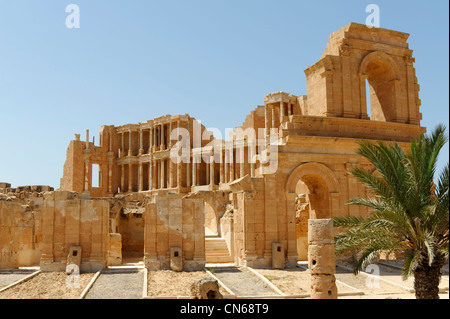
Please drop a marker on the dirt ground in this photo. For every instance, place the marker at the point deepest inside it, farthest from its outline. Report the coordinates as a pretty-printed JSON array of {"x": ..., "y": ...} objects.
[
  {"x": 47, "y": 286},
  {"x": 167, "y": 283}
]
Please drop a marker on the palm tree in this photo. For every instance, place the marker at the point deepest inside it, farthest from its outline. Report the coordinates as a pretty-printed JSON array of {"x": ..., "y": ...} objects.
[{"x": 409, "y": 211}]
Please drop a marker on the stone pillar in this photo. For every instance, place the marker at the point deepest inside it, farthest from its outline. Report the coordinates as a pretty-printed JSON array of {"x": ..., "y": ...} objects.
[
  {"x": 140, "y": 178},
  {"x": 226, "y": 160},
  {"x": 163, "y": 177},
  {"x": 130, "y": 141},
  {"x": 321, "y": 259},
  {"x": 194, "y": 171},
  {"x": 150, "y": 174},
  {"x": 141, "y": 142},
  {"x": 157, "y": 173},
  {"x": 242, "y": 159},
  {"x": 162, "y": 138},
  {"x": 122, "y": 178},
  {"x": 188, "y": 164},
  {"x": 221, "y": 167},
  {"x": 211, "y": 168},
  {"x": 87, "y": 139},
  {"x": 122, "y": 151},
  {"x": 150, "y": 140},
  {"x": 154, "y": 139},
  {"x": 363, "y": 97},
  {"x": 130, "y": 177}
]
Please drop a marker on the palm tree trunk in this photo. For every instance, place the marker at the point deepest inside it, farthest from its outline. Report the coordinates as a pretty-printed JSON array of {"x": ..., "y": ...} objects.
[{"x": 427, "y": 278}]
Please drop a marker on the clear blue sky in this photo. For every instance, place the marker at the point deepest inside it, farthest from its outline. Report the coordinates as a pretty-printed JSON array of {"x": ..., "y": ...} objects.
[{"x": 131, "y": 61}]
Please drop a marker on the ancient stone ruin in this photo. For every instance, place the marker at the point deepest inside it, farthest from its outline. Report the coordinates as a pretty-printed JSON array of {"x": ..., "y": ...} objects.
[{"x": 167, "y": 192}]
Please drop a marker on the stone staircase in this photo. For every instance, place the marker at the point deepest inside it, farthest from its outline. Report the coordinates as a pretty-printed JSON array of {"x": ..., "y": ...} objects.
[{"x": 216, "y": 250}]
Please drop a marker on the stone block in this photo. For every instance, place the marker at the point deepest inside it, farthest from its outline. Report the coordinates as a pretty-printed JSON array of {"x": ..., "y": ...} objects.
[
  {"x": 321, "y": 259},
  {"x": 278, "y": 256},
  {"x": 176, "y": 259},
  {"x": 323, "y": 287},
  {"x": 74, "y": 258},
  {"x": 115, "y": 249},
  {"x": 205, "y": 288},
  {"x": 320, "y": 231}
]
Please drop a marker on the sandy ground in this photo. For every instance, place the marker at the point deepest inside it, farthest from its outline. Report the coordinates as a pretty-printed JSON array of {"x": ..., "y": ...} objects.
[
  {"x": 47, "y": 286},
  {"x": 167, "y": 283}
]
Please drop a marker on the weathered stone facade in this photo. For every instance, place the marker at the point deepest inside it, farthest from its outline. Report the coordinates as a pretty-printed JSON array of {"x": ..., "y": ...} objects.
[{"x": 237, "y": 197}]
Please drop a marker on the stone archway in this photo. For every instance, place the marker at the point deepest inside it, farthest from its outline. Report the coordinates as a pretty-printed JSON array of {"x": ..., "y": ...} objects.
[
  {"x": 311, "y": 192},
  {"x": 382, "y": 77}
]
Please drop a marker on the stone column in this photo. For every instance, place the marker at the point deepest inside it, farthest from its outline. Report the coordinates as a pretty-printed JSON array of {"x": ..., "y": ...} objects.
[
  {"x": 267, "y": 123},
  {"x": 194, "y": 170},
  {"x": 122, "y": 178},
  {"x": 141, "y": 144},
  {"x": 162, "y": 138},
  {"x": 150, "y": 174},
  {"x": 158, "y": 172},
  {"x": 140, "y": 178},
  {"x": 163, "y": 177},
  {"x": 242, "y": 159},
  {"x": 130, "y": 177},
  {"x": 154, "y": 138},
  {"x": 150, "y": 140},
  {"x": 122, "y": 151},
  {"x": 130, "y": 140},
  {"x": 188, "y": 164},
  {"x": 321, "y": 259},
  {"x": 225, "y": 159},
  {"x": 222, "y": 168},
  {"x": 87, "y": 139},
  {"x": 363, "y": 97},
  {"x": 211, "y": 168}
]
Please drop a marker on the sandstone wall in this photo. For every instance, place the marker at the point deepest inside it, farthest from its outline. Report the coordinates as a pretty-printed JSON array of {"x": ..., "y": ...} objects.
[
  {"x": 20, "y": 233},
  {"x": 69, "y": 220},
  {"x": 175, "y": 221}
]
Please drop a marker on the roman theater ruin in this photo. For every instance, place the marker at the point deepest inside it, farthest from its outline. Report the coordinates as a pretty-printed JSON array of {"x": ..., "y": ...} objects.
[{"x": 167, "y": 193}]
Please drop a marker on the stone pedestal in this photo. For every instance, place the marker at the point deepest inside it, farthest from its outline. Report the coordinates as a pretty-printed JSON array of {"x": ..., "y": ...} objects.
[{"x": 321, "y": 259}]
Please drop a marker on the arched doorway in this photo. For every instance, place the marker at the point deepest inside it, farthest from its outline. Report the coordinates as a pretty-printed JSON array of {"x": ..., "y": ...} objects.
[{"x": 310, "y": 190}]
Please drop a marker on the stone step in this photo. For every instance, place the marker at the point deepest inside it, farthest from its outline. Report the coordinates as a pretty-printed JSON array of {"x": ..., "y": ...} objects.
[{"x": 216, "y": 250}]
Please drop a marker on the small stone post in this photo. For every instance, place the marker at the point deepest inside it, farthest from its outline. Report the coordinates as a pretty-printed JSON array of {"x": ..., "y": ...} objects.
[{"x": 321, "y": 259}]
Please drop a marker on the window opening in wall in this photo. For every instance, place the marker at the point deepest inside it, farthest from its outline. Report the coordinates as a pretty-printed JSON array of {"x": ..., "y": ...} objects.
[{"x": 95, "y": 175}]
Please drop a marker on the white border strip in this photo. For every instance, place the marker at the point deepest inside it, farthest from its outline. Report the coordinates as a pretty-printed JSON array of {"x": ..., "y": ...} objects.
[
  {"x": 267, "y": 281},
  {"x": 411, "y": 290},
  {"x": 20, "y": 281},
  {"x": 89, "y": 285},
  {"x": 232, "y": 294}
]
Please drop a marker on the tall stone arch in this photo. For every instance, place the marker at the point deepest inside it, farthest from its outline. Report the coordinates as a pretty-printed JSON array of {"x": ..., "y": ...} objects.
[{"x": 336, "y": 84}]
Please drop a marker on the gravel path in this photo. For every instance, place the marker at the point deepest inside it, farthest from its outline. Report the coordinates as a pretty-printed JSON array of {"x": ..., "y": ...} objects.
[
  {"x": 117, "y": 285},
  {"x": 242, "y": 282}
]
